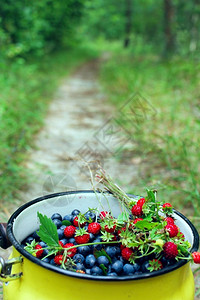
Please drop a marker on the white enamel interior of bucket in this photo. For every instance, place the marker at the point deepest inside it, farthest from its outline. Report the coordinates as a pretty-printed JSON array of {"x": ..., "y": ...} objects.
[{"x": 27, "y": 221}]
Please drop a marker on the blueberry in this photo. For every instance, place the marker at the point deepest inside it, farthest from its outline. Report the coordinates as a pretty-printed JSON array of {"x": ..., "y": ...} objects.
[
  {"x": 72, "y": 240},
  {"x": 46, "y": 259},
  {"x": 136, "y": 267},
  {"x": 88, "y": 271},
  {"x": 96, "y": 271},
  {"x": 80, "y": 266},
  {"x": 45, "y": 252},
  {"x": 86, "y": 226},
  {"x": 79, "y": 258},
  {"x": 90, "y": 261},
  {"x": 92, "y": 237},
  {"x": 103, "y": 260},
  {"x": 84, "y": 250},
  {"x": 75, "y": 212},
  {"x": 128, "y": 269},
  {"x": 68, "y": 218},
  {"x": 60, "y": 233},
  {"x": 90, "y": 216},
  {"x": 112, "y": 274},
  {"x": 97, "y": 246},
  {"x": 145, "y": 267},
  {"x": 57, "y": 222},
  {"x": 111, "y": 251},
  {"x": 56, "y": 216},
  {"x": 64, "y": 241},
  {"x": 35, "y": 236},
  {"x": 28, "y": 240},
  {"x": 63, "y": 227},
  {"x": 117, "y": 266},
  {"x": 52, "y": 262}
]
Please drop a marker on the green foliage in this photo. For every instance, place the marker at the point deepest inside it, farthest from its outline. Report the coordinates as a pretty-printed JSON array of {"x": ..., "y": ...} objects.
[
  {"x": 37, "y": 27},
  {"x": 26, "y": 90},
  {"x": 163, "y": 124}
]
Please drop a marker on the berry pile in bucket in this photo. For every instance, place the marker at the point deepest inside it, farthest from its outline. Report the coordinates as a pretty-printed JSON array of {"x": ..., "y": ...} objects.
[{"x": 143, "y": 238}]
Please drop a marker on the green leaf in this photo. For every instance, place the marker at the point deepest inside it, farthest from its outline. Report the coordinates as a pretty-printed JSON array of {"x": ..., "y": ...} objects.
[
  {"x": 104, "y": 269},
  {"x": 144, "y": 224},
  {"x": 47, "y": 231},
  {"x": 102, "y": 252},
  {"x": 123, "y": 217},
  {"x": 66, "y": 222}
]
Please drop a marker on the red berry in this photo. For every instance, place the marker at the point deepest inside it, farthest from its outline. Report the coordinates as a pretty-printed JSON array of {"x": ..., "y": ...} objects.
[
  {"x": 104, "y": 214},
  {"x": 181, "y": 236},
  {"x": 141, "y": 201},
  {"x": 137, "y": 219},
  {"x": 169, "y": 220},
  {"x": 110, "y": 229},
  {"x": 170, "y": 250},
  {"x": 126, "y": 253},
  {"x": 196, "y": 257},
  {"x": 40, "y": 250},
  {"x": 61, "y": 244},
  {"x": 121, "y": 229},
  {"x": 58, "y": 259},
  {"x": 82, "y": 239},
  {"x": 94, "y": 228},
  {"x": 167, "y": 205},
  {"x": 77, "y": 224},
  {"x": 69, "y": 231},
  {"x": 137, "y": 210},
  {"x": 172, "y": 229},
  {"x": 72, "y": 251}
]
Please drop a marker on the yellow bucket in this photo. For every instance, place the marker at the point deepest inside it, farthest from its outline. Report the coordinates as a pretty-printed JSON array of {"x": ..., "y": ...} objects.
[{"x": 39, "y": 280}]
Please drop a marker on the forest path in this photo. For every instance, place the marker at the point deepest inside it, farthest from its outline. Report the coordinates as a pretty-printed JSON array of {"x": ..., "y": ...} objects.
[{"x": 79, "y": 126}]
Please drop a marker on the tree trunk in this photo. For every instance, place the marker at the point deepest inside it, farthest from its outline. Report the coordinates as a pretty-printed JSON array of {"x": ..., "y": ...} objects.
[
  {"x": 128, "y": 24},
  {"x": 168, "y": 26}
]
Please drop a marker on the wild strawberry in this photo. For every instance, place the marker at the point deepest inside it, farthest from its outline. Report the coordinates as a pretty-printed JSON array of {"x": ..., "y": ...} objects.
[
  {"x": 167, "y": 208},
  {"x": 181, "y": 236},
  {"x": 172, "y": 230},
  {"x": 167, "y": 205},
  {"x": 169, "y": 220},
  {"x": 39, "y": 251},
  {"x": 94, "y": 227},
  {"x": 170, "y": 250},
  {"x": 58, "y": 259},
  {"x": 121, "y": 229},
  {"x": 70, "y": 252},
  {"x": 196, "y": 257},
  {"x": 61, "y": 244},
  {"x": 155, "y": 265},
  {"x": 103, "y": 214},
  {"x": 110, "y": 228},
  {"x": 126, "y": 253},
  {"x": 69, "y": 231},
  {"x": 137, "y": 220},
  {"x": 82, "y": 236},
  {"x": 137, "y": 210},
  {"x": 141, "y": 201},
  {"x": 77, "y": 223}
]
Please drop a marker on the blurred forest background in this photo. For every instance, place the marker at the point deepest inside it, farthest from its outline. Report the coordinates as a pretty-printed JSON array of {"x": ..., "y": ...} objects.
[{"x": 153, "y": 50}]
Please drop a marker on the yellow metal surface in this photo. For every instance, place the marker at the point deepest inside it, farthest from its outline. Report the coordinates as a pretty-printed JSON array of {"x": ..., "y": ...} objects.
[{"x": 40, "y": 283}]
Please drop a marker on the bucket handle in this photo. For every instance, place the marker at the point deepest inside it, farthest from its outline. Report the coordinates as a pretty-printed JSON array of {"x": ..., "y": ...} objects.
[
  {"x": 6, "y": 267},
  {"x": 4, "y": 241}
]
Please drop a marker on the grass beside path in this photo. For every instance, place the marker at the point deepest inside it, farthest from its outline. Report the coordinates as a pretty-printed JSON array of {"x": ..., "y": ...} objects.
[
  {"x": 26, "y": 88},
  {"x": 162, "y": 120}
]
